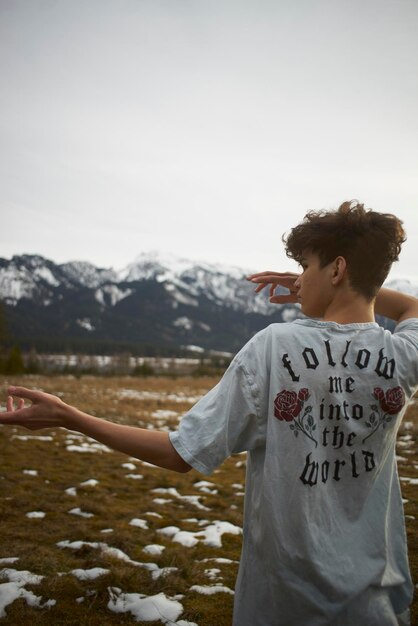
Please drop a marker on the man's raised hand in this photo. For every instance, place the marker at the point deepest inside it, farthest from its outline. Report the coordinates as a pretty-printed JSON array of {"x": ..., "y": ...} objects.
[{"x": 274, "y": 280}]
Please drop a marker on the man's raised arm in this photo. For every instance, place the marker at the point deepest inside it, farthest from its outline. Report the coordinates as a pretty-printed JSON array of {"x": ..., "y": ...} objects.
[{"x": 395, "y": 305}]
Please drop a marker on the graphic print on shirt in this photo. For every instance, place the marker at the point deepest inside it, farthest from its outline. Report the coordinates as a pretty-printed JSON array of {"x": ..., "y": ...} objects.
[
  {"x": 390, "y": 403},
  {"x": 289, "y": 407}
]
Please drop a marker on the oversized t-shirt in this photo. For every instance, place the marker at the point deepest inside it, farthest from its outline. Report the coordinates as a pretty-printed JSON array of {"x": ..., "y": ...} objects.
[{"x": 317, "y": 405}]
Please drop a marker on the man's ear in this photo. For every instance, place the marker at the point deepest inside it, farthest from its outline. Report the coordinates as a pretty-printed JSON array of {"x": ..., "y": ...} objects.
[{"x": 338, "y": 270}]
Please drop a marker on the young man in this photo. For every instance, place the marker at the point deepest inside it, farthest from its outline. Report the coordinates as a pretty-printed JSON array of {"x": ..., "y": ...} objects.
[{"x": 316, "y": 404}]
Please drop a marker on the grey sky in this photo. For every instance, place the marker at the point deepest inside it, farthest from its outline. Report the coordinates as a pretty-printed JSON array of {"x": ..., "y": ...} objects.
[{"x": 202, "y": 128}]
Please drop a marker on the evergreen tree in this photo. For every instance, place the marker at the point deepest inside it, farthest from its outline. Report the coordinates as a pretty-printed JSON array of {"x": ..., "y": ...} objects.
[{"x": 14, "y": 362}]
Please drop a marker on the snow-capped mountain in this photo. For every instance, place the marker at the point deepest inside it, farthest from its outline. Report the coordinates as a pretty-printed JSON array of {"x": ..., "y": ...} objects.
[{"x": 158, "y": 299}]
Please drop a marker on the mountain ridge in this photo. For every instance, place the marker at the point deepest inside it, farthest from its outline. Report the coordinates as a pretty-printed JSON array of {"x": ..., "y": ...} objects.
[{"x": 157, "y": 300}]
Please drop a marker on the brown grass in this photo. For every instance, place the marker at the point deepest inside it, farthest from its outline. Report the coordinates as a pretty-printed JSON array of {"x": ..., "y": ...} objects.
[{"x": 116, "y": 500}]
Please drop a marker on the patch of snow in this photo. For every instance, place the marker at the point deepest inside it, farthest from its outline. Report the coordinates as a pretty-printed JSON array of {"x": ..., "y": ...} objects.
[
  {"x": 213, "y": 573},
  {"x": 87, "y": 274},
  {"x": 89, "y": 574},
  {"x": 209, "y": 590},
  {"x": 154, "y": 549},
  {"x": 30, "y": 472},
  {"x": 179, "y": 295},
  {"x": 46, "y": 275},
  {"x": 30, "y": 437},
  {"x": 171, "y": 491},
  {"x": 80, "y": 513},
  {"x": 206, "y": 487},
  {"x": 92, "y": 482},
  {"x": 145, "y": 608},
  {"x": 158, "y": 395},
  {"x": 290, "y": 314},
  {"x": 14, "y": 589},
  {"x": 164, "y": 414},
  {"x": 210, "y": 536},
  {"x": 193, "y": 348},
  {"x": 88, "y": 447},
  {"x": 156, "y": 571},
  {"x": 134, "y": 476},
  {"x": 8, "y": 559},
  {"x": 139, "y": 523},
  {"x": 36, "y": 515},
  {"x": 71, "y": 491},
  {"x": 111, "y": 294},
  {"x": 128, "y": 466},
  {"x": 183, "y": 322},
  {"x": 410, "y": 481},
  {"x": 85, "y": 323},
  {"x": 107, "y": 530},
  {"x": 169, "y": 530}
]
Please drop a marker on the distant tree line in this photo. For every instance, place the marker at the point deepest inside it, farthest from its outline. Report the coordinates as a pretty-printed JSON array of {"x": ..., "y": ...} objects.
[{"x": 78, "y": 357}]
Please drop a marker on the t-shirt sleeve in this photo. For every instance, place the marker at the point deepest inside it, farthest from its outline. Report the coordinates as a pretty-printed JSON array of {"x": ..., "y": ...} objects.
[
  {"x": 225, "y": 421},
  {"x": 408, "y": 330}
]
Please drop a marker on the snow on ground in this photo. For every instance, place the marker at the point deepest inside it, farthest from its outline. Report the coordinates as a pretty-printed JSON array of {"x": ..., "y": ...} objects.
[
  {"x": 80, "y": 513},
  {"x": 92, "y": 482},
  {"x": 15, "y": 589},
  {"x": 30, "y": 437},
  {"x": 139, "y": 523},
  {"x": 210, "y": 536},
  {"x": 211, "y": 589},
  {"x": 89, "y": 574},
  {"x": 155, "y": 570},
  {"x": 129, "y": 466},
  {"x": 155, "y": 549},
  {"x": 36, "y": 515},
  {"x": 206, "y": 487},
  {"x": 145, "y": 608},
  {"x": 161, "y": 396},
  {"x": 172, "y": 491}
]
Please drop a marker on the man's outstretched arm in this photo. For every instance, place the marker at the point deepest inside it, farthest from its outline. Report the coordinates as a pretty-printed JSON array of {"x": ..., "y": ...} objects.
[{"x": 49, "y": 411}]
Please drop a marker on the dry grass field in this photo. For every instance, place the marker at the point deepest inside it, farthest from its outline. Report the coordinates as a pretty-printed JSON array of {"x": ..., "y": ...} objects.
[{"x": 88, "y": 534}]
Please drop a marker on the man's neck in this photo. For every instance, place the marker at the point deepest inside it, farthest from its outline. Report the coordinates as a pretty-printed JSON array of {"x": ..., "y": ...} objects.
[{"x": 350, "y": 308}]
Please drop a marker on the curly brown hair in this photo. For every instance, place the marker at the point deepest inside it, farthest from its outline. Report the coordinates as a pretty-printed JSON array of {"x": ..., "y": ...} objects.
[{"x": 369, "y": 241}]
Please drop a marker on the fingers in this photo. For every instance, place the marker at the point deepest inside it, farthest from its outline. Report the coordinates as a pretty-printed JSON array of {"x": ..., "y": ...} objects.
[
  {"x": 23, "y": 392},
  {"x": 271, "y": 276},
  {"x": 262, "y": 274}
]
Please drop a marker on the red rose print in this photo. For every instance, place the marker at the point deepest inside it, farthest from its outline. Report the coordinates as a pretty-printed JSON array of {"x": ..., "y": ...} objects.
[
  {"x": 303, "y": 394},
  {"x": 378, "y": 393},
  {"x": 392, "y": 401},
  {"x": 287, "y": 405}
]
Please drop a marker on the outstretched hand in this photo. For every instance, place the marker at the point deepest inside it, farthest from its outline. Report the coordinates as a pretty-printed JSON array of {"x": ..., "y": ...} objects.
[
  {"x": 274, "y": 280},
  {"x": 45, "y": 411}
]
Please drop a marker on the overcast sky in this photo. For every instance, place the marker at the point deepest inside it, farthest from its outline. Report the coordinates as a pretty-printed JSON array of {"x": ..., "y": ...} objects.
[{"x": 204, "y": 128}]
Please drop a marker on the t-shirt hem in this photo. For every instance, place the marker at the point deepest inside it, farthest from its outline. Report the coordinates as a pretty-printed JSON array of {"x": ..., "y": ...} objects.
[{"x": 186, "y": 455}]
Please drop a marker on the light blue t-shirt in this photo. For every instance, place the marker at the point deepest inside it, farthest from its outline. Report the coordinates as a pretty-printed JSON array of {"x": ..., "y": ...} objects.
[{"x": 317, "y": 405}]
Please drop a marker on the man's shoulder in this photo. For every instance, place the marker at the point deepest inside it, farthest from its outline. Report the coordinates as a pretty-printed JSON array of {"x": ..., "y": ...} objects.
[{"x": 264, "y": 339}]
